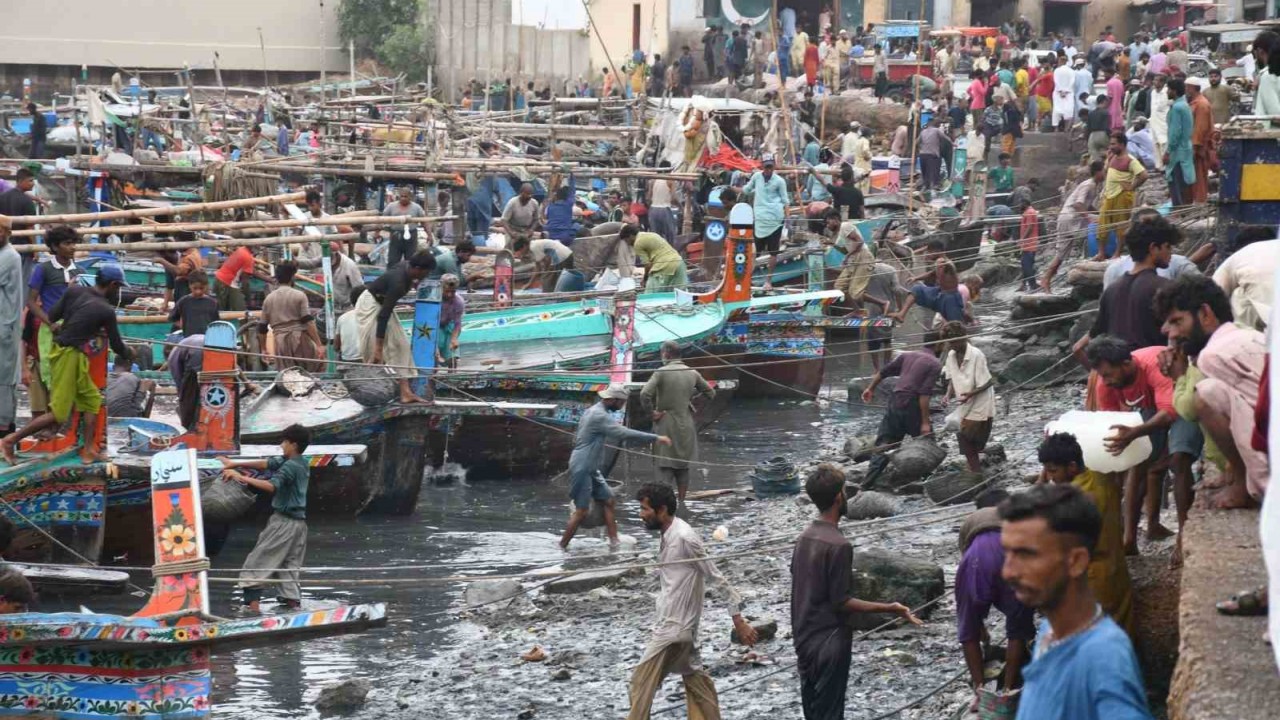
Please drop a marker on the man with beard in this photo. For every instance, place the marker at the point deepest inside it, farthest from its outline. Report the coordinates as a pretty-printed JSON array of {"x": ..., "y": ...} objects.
[
  {"x": 1084, "y": 667},
  {"x": 1197, "y": 316},
  {"x": 597, "y": 430},
  {"x": 76, "y": 321},
  {"x": 821, "y": 601},
  {"x": 683, "y": 568}
]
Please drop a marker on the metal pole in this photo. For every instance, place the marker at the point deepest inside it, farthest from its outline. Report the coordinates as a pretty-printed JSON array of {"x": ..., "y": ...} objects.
[
  {"x": 351, "y": 58},
  {"x": 262, "y": 44},
  {"x": 322, "y": 49}
]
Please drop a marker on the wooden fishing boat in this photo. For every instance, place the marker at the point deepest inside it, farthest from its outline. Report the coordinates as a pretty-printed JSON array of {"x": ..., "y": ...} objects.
[
  {"x": 403, "y": 441},
  {"x": 65, "y": 510},
  {"x": 156, "y": 662}
]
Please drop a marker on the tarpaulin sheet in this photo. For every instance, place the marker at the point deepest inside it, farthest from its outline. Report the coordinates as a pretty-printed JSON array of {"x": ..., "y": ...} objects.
[{"x": 728, "y": 157}]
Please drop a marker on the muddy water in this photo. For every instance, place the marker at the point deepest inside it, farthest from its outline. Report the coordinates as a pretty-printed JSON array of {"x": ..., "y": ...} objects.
[{"x": 481, "y": 528}]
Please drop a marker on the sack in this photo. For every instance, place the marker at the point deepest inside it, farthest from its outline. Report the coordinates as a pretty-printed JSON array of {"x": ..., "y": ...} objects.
[
  {"x": 370, "y": 385},
  {"x": 953, "y": 421},
  {"x": 775, "y": 476},
  {"x": 224, "y": 500},
  {"x": 294, "y": 382}
]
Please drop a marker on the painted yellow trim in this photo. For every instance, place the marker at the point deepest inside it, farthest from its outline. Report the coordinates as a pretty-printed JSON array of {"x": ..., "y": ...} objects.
[{"x": 1260, "y": 182}]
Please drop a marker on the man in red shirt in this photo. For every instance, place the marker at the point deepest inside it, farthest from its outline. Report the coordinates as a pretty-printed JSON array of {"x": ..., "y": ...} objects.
[
  {"x": 1131, "y": 381},
  {"x": 231, "y": 274}
]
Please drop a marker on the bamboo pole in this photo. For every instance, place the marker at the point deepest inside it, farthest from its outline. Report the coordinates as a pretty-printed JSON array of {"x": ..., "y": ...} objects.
[
  {"x": 367, "y": 217},
  {"x": 158, "y": 317},
  {"x": 185, "y": 244},
  {"x": 151, "y": 212}
]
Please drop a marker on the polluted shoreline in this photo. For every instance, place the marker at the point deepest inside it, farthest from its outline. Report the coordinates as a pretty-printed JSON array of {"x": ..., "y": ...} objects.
[{"x": 583, "y": 644}]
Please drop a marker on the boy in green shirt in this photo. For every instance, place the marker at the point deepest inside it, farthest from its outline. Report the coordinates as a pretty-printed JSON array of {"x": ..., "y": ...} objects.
[
  {"x": 283, "y": 543},
  {"x": 1002, "y": 176}
]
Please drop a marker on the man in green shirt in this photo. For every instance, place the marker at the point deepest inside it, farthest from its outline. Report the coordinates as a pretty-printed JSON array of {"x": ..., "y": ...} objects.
[
  {"x": 664, "y": 268},
  {"x": 283, "y": 543},
  {"x": 1001, "y": 176}
]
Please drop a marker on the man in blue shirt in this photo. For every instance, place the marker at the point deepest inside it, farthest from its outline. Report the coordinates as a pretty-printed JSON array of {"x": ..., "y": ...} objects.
[{"x": 1083, "y": 667}]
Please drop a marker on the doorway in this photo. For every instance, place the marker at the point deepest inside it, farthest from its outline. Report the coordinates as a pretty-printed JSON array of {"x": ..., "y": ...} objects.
[
  {"x": 635, "y": 26},
  {"x": 1063, "y": 17}
]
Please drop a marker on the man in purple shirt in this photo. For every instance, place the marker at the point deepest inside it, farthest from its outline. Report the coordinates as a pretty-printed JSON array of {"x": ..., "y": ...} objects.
[
  {"x": 979, "y": 587},
  {"x": 908, "y": 413}
]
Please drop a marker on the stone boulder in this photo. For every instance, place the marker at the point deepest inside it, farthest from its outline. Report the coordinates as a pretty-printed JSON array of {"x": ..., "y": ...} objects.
[
  {"x": 1083, "y": 323},
  {"x": 910, "y": 464},
  {"x": 343, "y": 698},
  {"x": 998, "y": 350},
  {"x": 870, "y": 504},
  {"x": 997, "y": 270},
  {"x": 587, "y": 581},
  {"x": 491, "y": 593},
  {"x": 858, "y": 447},
  {"x": 766, "y": 629},
  {"x": 1030, "y": 306},
  {"x": 954, "y": 488},
  {"x": 1036, "y": 369},
  {"x": 888, "y": 576},
  {"x": 1087, "y": 274},
  {"x": 884, "y": 391}
]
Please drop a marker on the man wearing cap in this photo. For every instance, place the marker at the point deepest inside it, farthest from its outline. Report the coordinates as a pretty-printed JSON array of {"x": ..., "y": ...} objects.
[
  {"x": 597, "y": 429},
  {"x": 670, "y": 393},
  {"x": 1083, "y": 80},
  {"x": 1201, "y": 137},
  {"x": 1064, "y": 101},
  {"x": 77, "y": 320},
  {"x": 769, "y": 200}
]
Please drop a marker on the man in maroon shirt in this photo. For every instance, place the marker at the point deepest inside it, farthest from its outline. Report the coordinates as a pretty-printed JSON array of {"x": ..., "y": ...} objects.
[{"x": 908, "y": 413}]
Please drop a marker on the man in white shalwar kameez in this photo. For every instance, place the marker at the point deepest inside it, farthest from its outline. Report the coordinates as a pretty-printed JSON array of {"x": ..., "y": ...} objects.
[
  {"x": 673, "y": 646},
  {"x": 12, "y": 299}
]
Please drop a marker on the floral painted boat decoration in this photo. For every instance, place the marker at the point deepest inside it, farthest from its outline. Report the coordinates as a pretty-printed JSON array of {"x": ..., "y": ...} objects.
[{"x": 156, "y": 662}]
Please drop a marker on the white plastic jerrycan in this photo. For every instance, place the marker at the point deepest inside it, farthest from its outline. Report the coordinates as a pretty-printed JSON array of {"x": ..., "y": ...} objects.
[{"x": 1091, "y": 429}]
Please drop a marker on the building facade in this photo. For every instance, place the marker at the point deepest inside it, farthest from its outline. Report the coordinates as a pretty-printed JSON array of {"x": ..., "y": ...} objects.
[{"x": 56, "y": 43}]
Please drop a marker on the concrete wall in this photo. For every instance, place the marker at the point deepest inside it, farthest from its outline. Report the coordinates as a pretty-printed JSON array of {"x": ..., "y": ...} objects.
[
  {"x": 614, "y": 21},
  {"x": 477, "y": 38},
  {"x": 168, "y": 33}
]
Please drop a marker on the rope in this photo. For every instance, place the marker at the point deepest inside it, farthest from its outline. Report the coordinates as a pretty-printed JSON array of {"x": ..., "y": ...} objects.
[
  {"x": 180, "y": 568},
  {"x": 782, "y": 668}
]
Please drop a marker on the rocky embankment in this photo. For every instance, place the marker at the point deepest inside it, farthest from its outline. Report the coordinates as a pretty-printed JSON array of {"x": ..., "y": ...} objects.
[{"x": 590, "y": 632}]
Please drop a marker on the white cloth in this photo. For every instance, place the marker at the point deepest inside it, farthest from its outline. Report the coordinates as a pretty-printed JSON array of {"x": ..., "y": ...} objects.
[
  {"x": 1160, "y": 118},
  {"x": 682, "y": 589},
  {"x": 848, "y": 234},
  {"x": 558, "y": 251},
  {"x": 1064, "y": 103},
  {"x": 12, "y": 291},
  {"x": 966, "y": 377},
  {"x": 1083, "y": 84},
  {"x": 1266, "y": 101},
  {"x": 849, "y": 144},
  {"x": 348, "y": 331},
  {"x": 397, "y": 353},
  {"x": 1178, "y": 265},
  {"x": 1250, "y": 66},
  {"x": 1248, "y": 278}
]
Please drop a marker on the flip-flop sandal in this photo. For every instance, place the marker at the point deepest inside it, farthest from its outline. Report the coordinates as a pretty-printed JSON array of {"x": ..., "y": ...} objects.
[{"x": 1250, "y": 603}]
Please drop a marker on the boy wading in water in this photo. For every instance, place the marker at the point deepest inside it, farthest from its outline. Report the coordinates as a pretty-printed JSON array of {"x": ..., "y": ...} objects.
[{"x": 283, "y": 543}]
